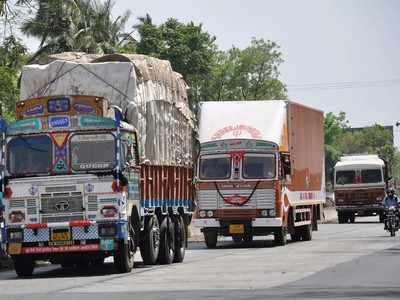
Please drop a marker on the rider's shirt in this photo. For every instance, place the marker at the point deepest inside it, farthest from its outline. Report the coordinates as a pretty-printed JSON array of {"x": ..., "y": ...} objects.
[{"x": 391, "y": 201}]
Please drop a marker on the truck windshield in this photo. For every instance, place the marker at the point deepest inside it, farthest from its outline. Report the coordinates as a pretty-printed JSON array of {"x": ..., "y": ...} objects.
[
  {"x": 371, "y": 176},
  {"x": 345, "y": 177},
  {"x": 259, "y": 166},
  {"x": 91, "y": 152},
  {"x": 215, "y": 167},
  {"x": 29, "y": 155}
]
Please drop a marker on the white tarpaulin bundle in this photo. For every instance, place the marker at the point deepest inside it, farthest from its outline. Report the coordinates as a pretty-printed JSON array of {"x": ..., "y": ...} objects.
[{"x": 152, "y": 96}]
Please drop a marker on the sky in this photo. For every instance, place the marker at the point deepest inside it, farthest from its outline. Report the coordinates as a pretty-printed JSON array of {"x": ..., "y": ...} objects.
[{"x": 352, "y": 45}]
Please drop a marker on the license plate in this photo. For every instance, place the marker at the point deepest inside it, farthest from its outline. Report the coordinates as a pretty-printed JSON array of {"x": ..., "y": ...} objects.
[
  {"x": 14, "y": 248},
  {"x": 107, "y": 245},
  {"x": 60, "y": 235},
  {"x": 236, "y": 228}
]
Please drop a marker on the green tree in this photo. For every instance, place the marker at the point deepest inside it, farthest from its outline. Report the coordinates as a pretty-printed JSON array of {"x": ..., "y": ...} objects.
[
  {"x": 189, "y": 48},
  {"x": 335, "y": 126},
  {"x": 12, "y": 56},
  {"x": 76, "y": 25}
]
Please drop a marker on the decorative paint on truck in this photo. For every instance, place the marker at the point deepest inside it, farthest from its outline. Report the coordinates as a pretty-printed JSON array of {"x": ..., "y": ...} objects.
[
  {"x": 359, "y": 186},
  {"x": 260, "y": 170},
  {"x": 76, "y": 191}
]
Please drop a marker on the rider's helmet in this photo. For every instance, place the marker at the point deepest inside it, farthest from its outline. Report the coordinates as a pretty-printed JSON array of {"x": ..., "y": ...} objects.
[{"x": 390, "y": 191}]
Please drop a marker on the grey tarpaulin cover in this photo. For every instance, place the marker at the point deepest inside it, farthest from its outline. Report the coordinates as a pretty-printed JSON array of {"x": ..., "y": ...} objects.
[{"x": 152, "y": 96}]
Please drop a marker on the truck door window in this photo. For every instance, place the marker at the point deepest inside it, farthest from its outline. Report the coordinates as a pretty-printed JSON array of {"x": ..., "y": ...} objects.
[
  {"x": 371, "y": 176},
  {"x": 212, "y": 168},
  {"x": 29, "y": 155},
  {"x": 259, "y": 166},
  {"x": 345, "y": 177}
]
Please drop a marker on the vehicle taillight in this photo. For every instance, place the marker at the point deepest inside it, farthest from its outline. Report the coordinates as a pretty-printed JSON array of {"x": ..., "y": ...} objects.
[
  {"x": 16, "y": 216},
  {"x": 109, "y": 211},
  {"x": 8, "y": 192}
]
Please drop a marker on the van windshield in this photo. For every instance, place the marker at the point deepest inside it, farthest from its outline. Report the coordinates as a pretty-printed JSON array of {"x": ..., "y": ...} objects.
[
  {"x": 212, "y": 168},
  {"x": 371, "y": 176},
  {"x": 345, "y": 177}
]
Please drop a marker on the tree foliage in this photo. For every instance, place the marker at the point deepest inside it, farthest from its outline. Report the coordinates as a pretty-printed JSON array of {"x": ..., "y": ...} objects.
[
  {"x": 76, "y": 25},
  {"x": 12, "y": 57}
]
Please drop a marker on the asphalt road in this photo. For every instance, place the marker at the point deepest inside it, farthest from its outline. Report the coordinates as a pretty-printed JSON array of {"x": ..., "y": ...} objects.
[{"x": 346, "y": 261}]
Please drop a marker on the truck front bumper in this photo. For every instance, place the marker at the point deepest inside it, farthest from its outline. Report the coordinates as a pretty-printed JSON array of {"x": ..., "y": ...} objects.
[
  {"x": 360, "y": 209},
  {"x": 38, "y": 238},
  {"x": 257, "y": 222}
]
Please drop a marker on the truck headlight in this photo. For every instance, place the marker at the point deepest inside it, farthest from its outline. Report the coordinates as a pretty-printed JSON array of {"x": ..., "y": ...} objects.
[
  {"x": 210, "y": 213},
  {"x": 16, "y": 216},
  {"x": 202, "y": 213},
  {"x": 264, "y": 213},
  {"x": 271, "y": 213}
]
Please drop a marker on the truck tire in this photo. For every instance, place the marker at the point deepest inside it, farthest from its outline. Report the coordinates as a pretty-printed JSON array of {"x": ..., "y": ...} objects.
[
  {"x": 280, "y": 237},
  {"x": 352, "y": 217},
  {"x": 167, "y": 242},
  {"x": 295, "y": 236},
  {"x": 306, "y": 233},
  {"x": 24, "y": 265},
  {"x": 342, "y": 218},
  {"x": 180, "y": 239},
  {"x": 150, "y": 241},
  {"x": 381, "y": 218},
  {"x": 211, "y": 239},
  {"x": 124, "y": 255},
  {"x": 248, "y": 238}
]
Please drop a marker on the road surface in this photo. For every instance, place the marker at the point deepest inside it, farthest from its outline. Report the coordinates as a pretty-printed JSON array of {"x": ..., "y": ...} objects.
[{"x": 343, "y": 261}]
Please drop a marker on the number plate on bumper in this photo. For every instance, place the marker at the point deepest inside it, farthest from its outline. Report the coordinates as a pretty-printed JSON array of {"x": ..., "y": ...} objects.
[
  {"x": 236, "y": 228},
  {"x": 58, "y": 235}
]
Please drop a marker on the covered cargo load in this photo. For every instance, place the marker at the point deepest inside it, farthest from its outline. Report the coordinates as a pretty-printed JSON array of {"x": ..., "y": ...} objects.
[{"x": 153, "y": 97}]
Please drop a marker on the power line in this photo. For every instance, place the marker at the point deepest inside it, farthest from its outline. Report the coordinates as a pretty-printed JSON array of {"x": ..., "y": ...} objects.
[{"x": 344, "y": 85}]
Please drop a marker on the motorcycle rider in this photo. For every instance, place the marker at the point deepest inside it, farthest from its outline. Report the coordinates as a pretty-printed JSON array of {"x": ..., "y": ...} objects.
[{"x": 390, "y": 200}]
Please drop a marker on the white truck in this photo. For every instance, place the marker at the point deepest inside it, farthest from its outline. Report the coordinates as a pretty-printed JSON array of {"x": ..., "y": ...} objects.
[
  {"x": 260, "y": 170},
  {"x": 359, "y": 187}
]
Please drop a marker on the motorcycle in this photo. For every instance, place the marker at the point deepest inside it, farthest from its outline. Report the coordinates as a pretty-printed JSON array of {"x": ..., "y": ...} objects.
[{"x": 392, "y": 220}]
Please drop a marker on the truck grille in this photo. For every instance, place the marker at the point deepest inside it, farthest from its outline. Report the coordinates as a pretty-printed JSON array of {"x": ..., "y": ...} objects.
[{"x": 61, "y": 203}]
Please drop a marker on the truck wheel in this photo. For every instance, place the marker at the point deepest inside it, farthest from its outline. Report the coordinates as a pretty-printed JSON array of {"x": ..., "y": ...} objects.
[
  {"x": 306, "y": 233},
  {"x": 381, "y": 218},
  {"x": 352, "y": 217},
  {"x": 98, "y": 262},
  {"x": 180, "y": 239},
  {"x": 24, "y": 265},
  {"x": 248, "y": 238},
  {"x": 295, "y": 237},
  {"x": 123, "y": 257},
  {"x": 211, "y": 239},
  {"x": 341, "y": 217},
  {"x": 150, "y": 242},
  {"x": 280, "y": 237},
  {"x": 67, "y": 264},
  {"x": 167, "y": 242}
]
